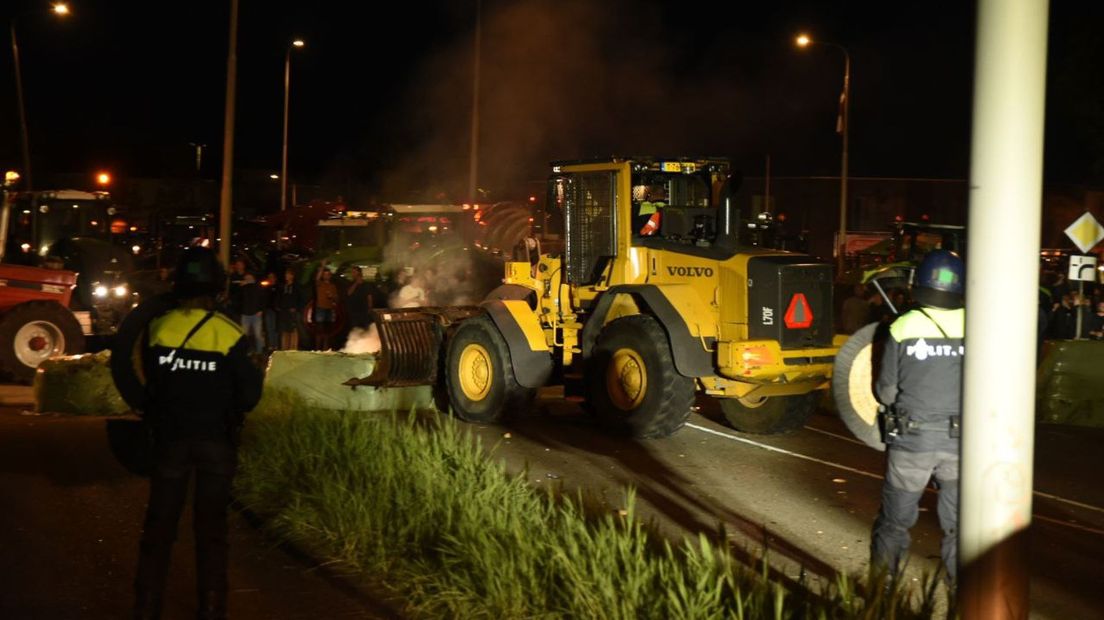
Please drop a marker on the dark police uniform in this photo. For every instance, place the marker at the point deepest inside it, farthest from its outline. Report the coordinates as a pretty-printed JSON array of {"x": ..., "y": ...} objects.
[
  {"x": 921, "y": 377},
  {"x": 199, "y": 385}
]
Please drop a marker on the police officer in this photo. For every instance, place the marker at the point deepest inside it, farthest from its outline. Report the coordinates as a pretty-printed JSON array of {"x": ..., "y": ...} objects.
[
  {"x": 921, "y": 385},
  {"x": 650, "y": 200},
  {"x": 199, "y": 384}
]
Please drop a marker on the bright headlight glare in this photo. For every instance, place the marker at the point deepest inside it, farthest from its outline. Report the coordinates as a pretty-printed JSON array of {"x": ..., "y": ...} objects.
[
  {"x": 100, "y": 291},
  {"x": 120, "y": 291}
]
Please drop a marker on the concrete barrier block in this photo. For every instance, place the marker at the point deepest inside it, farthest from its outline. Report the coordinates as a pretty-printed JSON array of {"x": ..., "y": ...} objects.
[
  {"x": 77, "y": 384},
  {"x": 1069, "y": 384},
  {"x": 317, "y": 378}
]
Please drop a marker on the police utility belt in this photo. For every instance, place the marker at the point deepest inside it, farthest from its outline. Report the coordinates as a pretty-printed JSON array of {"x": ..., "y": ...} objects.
[{"x": 898, "y": 423}]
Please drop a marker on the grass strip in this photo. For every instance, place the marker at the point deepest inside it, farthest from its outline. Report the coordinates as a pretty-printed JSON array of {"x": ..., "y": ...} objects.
[{"x": 418, "y": 502}]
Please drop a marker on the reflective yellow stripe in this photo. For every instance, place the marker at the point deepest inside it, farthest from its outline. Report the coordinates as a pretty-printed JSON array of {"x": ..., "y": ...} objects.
[
  {"x": 217, "y": 336},
  {"x": 526, "y": 319},
  {"x": 915, "y": 325}
]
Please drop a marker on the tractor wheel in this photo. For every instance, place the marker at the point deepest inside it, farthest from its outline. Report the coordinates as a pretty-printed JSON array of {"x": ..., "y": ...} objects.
[
  {"x": 34, "y": 331},
  {"x": 633, "y": 387},
  {"x": 770, "y": 415},
  {"x": 479, "y": 375}
]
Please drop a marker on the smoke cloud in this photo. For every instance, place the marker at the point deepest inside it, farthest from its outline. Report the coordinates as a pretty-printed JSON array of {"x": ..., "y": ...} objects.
[
  {"x": 362, "y": 340},
  {"x": 571, "y": 79}
]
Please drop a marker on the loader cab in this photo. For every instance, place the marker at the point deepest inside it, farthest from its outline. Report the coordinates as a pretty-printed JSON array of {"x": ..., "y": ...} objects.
[{"x": 610, "y": 207}]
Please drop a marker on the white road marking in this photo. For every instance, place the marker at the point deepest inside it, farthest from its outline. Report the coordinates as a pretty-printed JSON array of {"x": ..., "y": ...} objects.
[
  {"x": 877, "y": 477},
  {"x": 1076, "y": 526},
  {"x": 1070, "y": 502},
  {"x": 786, "y": 452}
]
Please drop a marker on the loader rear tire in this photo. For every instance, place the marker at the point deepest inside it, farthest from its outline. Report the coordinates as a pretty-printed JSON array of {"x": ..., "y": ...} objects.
[
  {"x": 769, "y": 416},
  {"x": 34, "y": 331},
  {"x": 632, "y": 385},
  {"x": 479, "y": 374}
]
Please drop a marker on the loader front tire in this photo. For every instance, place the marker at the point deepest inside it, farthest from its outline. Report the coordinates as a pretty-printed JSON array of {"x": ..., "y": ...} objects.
[
  {"x": 479, "y": 375},
  {"x": 633, "y": 387},
  {"x": 769, "y": 416}
]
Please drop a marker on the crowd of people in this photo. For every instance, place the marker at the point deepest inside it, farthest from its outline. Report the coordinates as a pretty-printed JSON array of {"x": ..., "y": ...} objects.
[
  {"x": 273, "y": 310},
  {"x": 1062, "y": 306}
]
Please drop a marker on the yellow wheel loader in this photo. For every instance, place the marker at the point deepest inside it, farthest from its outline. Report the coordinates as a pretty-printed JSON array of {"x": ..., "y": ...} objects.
[{"x": 650, "y": 299}]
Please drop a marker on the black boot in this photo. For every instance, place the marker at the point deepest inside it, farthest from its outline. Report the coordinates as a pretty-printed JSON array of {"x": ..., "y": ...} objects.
[
  {"x": 147, "y": 605},
  {"x": 212, "y": 605}
]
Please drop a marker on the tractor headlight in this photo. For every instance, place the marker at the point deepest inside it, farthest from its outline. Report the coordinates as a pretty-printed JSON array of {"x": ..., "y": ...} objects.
[
  {"x": 121, "y": 290},
  {"x": 100, "y": 291}
]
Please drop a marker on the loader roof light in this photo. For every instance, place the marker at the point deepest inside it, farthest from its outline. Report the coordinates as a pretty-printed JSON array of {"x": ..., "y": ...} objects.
[{"x": 798, "y": 315}]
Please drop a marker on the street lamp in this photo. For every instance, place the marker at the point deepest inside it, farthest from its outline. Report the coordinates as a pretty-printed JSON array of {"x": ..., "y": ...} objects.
[
  {"x": 62, "y": 10},
  {"x": 295, "y": 43},
  {"x": 842, "y": 126}
]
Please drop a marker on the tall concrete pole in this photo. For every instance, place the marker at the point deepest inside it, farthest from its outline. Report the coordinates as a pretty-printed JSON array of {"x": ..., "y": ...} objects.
[
  {"x": 226, "y": 196},
  {"x": 473, "y": 158},
  {"x": 998, "y": 426}
]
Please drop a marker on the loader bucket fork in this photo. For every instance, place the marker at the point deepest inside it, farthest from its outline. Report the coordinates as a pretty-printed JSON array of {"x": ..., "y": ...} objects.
[{"x": 410, "y": 344}]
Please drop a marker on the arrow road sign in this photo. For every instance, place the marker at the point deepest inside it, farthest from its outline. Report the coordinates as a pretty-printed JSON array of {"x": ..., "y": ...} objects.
[{"x": 1082, "y": 268}]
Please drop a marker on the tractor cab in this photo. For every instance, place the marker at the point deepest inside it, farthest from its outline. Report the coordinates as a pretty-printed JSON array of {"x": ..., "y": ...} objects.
[{"x": 77, "y": 230}]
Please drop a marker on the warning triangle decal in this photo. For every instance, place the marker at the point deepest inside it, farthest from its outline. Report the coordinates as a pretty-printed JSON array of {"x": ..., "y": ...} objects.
[{"x": 799, "y": 315}]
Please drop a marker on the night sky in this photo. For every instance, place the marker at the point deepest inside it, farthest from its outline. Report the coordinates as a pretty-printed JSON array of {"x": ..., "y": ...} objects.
[{"x": 385, "y": 103}]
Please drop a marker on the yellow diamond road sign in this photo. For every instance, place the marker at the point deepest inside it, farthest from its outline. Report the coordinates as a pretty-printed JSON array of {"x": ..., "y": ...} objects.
[{"x": 1085, "y": 232}]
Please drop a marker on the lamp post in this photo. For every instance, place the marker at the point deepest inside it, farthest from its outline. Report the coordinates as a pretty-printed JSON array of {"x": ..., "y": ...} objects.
[
  {"x": 62, "y": 10},
  {"x": 842, "y": 127},
  {"x": 284, "y": 157}
]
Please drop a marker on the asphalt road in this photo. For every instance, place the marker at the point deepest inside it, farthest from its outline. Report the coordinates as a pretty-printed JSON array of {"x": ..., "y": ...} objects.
[
  {"x": 811, "y": 496},
  {"x": 71, "y": 514}
]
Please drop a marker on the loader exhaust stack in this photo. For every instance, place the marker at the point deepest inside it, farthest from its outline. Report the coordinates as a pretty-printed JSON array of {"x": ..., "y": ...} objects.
[{"x": 410, "y": 343}]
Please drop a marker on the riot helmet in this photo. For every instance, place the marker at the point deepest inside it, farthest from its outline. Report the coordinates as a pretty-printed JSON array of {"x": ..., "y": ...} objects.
[
  {"x": 940, "y": 280},
  {"x": 198, "y": 273}
]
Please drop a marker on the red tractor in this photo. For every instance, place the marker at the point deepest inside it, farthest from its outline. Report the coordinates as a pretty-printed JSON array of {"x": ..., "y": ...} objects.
[{"x": 35, "y": 319}]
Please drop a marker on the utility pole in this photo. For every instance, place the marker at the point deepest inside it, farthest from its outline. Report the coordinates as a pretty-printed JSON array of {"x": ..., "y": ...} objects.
[
  {"x": 845, "y": 129},
  {"x": 998, "y": 417},
  {"x": 226, "y": 195},
  {"x": 473, "y": 160}
]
